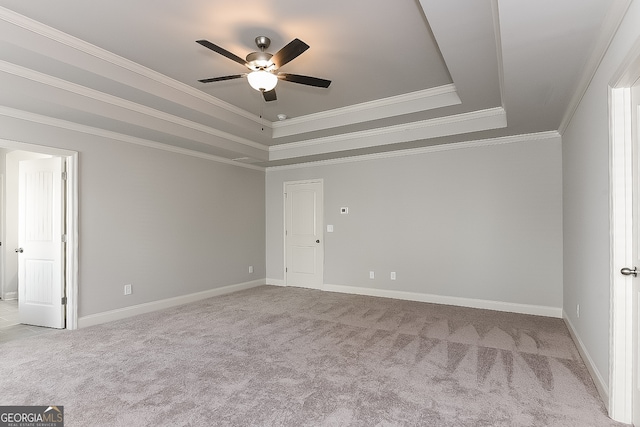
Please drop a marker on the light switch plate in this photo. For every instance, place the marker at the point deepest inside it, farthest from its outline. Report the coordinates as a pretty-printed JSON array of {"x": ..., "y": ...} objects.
[
  {"x": 344, "y": 211},
  {"x": 329, "y": 228}
]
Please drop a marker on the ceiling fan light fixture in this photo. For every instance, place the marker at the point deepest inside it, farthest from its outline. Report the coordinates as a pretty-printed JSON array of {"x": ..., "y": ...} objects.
[
  {"x": 263, "y": 67},
  {"x": 262, "y": 81}
]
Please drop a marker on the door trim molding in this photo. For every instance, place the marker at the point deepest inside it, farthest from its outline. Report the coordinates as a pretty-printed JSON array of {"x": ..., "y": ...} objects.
[
  {"x": 71, "y": 219},
  {"x": 284, "y": 224},
  {"x": 621, "y": 214},
  {"x": 3, "y": 239}
]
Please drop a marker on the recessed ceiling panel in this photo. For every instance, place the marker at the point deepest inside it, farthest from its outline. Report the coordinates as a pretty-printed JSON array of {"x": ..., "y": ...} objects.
[{"x": 368, "y": 53}]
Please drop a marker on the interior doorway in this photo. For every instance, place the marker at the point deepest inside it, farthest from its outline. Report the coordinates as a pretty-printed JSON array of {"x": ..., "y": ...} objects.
[
  {"x": 12, "y": 154},
  {"x": 41, "y": 241},
  {"x": 624, "y": 110},
  {"x": 635, "y": 285},
  {"x": 304, "y": 237}
]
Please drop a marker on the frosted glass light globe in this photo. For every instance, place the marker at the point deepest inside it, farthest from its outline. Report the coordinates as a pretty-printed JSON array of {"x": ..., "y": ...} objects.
[{"x": 262, "y": 80}]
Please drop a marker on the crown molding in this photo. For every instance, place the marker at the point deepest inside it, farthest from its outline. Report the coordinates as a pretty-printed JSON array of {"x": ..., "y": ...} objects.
[
  {"x": 514, "y": 139},
  {"x": 492, "y": 118},
  {"x": 102, "y": 97},
  {"x": 610, "y": 26},
  {"x": 74, "y": 127},
  {"x": 628, "y": 72},
  {"x": 495, "y": 12},
  {"x": 428, "y": 99},
  {"x": 79, "y": 45}
]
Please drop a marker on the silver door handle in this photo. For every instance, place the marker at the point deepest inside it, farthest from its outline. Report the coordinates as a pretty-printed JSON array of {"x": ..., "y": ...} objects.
[
  {"x": 19, "y": 250},
  {"x": 630, "y": 272}
]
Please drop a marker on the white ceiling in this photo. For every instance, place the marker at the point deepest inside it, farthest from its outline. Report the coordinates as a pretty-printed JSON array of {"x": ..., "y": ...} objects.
[{"x": 405, "y": 73}]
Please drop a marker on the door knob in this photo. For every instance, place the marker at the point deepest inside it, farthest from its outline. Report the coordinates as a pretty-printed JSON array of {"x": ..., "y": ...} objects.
[
  {"x": 19, "y": 250},
  {"x": 630, "y": 272},
  {"x": 318, "y": 241}
]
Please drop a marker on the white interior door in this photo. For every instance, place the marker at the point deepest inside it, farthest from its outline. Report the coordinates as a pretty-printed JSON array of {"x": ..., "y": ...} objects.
[
  {"x": 304, "y": 240},
  {"x": 40, "y": 251},
  {"x": 635, "y": 303}
]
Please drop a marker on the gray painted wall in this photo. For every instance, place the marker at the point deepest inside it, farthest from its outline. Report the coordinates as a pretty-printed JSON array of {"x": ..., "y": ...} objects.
[
  {"x": 169, "y": 224},
  {"x": 482, "y": 223},
  {"x": 586, "y": 203}
]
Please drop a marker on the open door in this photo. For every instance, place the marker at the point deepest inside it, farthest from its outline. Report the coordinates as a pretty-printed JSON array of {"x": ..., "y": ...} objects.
[
  {"x": 635, "y": 286},
  {"x": 624, "y": 381},
  {"x": 41, "y": 249}
]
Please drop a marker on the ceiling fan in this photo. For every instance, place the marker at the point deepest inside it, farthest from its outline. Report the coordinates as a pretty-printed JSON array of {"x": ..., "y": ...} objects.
[{"x": 264, "y": 66}]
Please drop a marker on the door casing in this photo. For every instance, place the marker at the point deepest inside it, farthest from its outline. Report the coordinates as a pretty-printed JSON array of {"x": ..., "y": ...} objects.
[{"x": 71, "y": 221}]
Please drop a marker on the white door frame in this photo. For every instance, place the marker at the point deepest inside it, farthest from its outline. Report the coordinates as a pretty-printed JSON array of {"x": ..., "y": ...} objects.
[
  {"x": 3, "y": 241},
  {"x": 621, "y": 213},
  {"x": 284, "y": 221},
  {"x": 71, "y": 221}
]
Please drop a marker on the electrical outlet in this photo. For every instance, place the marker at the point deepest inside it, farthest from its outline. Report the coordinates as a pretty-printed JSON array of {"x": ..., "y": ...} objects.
[
  {"x": 578, "y": 310},
  {"x": 393, "y": 275},
  {"x": 372, "y": 275},
  {"x": 251, "y": 269},
  {"x": 127, "y": 289}
]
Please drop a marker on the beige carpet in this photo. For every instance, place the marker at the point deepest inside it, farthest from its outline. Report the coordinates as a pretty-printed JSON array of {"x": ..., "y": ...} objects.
[{"x": 274, "y": 356}]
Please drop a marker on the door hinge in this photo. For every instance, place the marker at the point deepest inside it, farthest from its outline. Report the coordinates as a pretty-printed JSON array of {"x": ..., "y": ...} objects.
[
  {"x": 64, "y": 176},
  {"x": 286, "y": 270},
  {"x": 64, "y": 238},
  {"x": 64, "y": 300}
]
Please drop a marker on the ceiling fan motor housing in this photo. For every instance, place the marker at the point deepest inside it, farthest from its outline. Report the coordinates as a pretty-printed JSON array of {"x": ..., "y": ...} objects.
[{"x": 259, "y": 61}]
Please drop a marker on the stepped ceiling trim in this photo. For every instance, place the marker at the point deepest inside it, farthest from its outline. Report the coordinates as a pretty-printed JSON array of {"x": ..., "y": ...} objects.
[
  {"x": 493, "y": 118},
  {"x": 428, "y": 99},
  {"x": 541, "y": 136},
  {"x": 75, "y": 127}
]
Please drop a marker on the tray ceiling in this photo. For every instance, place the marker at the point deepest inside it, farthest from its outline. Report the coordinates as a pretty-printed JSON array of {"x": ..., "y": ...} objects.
[{"x": 404, "y": 74}]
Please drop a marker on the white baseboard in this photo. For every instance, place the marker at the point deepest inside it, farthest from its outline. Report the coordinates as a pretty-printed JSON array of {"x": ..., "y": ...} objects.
[
  {"x": 122, "y": 313},
  {"x": 10, "y": 295},
  {"x": 537, "y": 310},
  {"x": 276, "y": 282},
  {"x": 603, "y": 390}
]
